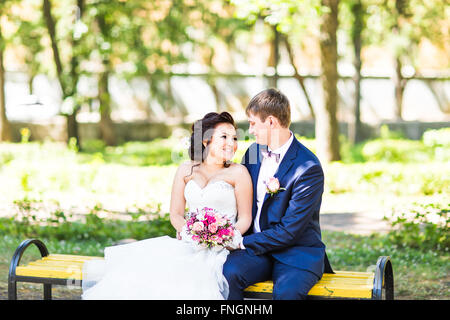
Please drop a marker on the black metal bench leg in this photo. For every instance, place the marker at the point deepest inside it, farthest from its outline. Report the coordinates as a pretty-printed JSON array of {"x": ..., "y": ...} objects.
[
  {"x": 12, "y": 290},
  {"x": 389, "y": 281},
  {"x": 47, "y": 291}
]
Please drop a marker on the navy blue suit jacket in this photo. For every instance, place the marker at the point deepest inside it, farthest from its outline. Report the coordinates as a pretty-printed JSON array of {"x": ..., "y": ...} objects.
[{"x": 289, "y": 220}]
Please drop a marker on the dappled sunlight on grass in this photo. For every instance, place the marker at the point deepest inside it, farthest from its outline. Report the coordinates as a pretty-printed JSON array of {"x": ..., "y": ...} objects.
[
  {"x": 141, "y": 173},
  {"x": 124, "y": 191}
]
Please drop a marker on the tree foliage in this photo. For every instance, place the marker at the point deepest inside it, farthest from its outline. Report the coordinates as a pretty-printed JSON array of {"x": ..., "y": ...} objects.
[{"x": 99, "y": 39}]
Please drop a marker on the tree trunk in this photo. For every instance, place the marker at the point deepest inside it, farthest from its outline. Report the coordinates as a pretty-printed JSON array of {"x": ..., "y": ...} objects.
[
  {"x": 212, "y": 83},
  {"x": 30, "y": 83},
  {"x": 72, "y": 124},
  {"x": 106, "y": 125},
  {"x": 50, "y": 22},
  {"x": 327, "y": 131},
  {"x": 211, "y": 80},
  {"x": 274, "y": 57},
  {"x": 399, "y": 83},
  {"x": 300, "y": 79},
  {"x": 72, "y": 127},
  {"x": 68, "y": 88},
  {"x": 355, "y": 127},
  {"x": 5, "y": 127}
]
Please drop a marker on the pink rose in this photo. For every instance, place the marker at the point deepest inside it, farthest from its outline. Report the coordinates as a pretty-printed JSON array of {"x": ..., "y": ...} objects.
[
  {"x": 197, "y": 227},
  {"x": 273, "y": 185},
  {"x": 221, "y": 221},
  {"x": 213, "y": 227},
  {"x": 217, "y": 239},
  {"x": 211, "y": 219}
]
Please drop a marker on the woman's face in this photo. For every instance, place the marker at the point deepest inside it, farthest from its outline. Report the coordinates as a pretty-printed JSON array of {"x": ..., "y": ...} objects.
[{"x": 223, "y": 143}]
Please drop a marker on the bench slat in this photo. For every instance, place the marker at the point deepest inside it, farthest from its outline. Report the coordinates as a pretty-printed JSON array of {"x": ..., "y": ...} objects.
[
  {"x": 341, "y": 284},
  {"x": 68, "y": 257},
  {"x": 342, "y": 292},
  {"x": 348, "y": 274},
  {"x": 49, "y": 272},
  {"x": 62, "y": 265},
  {"x": 324, "y": 289},
  {"x": 56, "y": 263},
  {"x": 345, "y": 284}
]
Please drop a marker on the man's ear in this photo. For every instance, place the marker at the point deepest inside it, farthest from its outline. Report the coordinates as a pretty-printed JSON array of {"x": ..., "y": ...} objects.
[{"x": 273, "y": 121}]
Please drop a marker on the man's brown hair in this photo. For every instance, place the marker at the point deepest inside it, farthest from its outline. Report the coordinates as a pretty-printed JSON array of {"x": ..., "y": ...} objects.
[{"x": 270, "y": 102}]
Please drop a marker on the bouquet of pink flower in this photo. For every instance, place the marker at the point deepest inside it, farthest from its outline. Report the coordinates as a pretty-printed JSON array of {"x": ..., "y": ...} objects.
[{"x": 208, "y": 228}]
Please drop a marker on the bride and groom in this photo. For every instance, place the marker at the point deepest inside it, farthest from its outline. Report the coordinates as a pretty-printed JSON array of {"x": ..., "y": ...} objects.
[{"x": 273, "y": 199}]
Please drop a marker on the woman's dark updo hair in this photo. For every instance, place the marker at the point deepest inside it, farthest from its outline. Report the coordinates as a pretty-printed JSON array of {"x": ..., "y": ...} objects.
[{"x": 203, "y": 129}]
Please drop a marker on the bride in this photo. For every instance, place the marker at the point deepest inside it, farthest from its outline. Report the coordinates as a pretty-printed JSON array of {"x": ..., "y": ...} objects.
[{"x": 168, "y": 268}]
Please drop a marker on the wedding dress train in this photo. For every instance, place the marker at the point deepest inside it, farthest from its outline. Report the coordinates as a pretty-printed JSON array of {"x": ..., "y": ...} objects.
[{"x": 164, "y": 267}]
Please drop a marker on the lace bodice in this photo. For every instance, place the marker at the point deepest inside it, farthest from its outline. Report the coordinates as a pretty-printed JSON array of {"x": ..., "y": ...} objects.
[{"x": 218, "y": 195}]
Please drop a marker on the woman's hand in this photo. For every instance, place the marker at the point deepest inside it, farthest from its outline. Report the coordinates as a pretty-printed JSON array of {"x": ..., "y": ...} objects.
[
  {"x": 182, "y": 233},
  {"x": 237, "y": 238}
]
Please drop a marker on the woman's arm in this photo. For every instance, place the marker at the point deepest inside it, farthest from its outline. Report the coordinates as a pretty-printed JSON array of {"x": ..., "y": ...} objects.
[
  {"x": 243, "y": 190},
  {"x": 177, "y": 200}
]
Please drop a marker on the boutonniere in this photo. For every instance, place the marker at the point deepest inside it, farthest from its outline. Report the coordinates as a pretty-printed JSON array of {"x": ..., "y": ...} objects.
[{"x": 273, "y": 186}]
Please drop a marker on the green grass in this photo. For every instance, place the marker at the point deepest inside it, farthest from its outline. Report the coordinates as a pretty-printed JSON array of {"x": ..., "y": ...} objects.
[
  {"x": 417, "y": 274},
  {"x": 124, "y": 192}
]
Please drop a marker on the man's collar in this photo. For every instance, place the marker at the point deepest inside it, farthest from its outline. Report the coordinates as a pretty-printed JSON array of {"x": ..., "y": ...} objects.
[{"x": 284, "y": 148}]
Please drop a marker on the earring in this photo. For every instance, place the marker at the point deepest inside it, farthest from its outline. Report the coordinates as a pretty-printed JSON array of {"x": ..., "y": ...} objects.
[{"x": 227, "y": 163}]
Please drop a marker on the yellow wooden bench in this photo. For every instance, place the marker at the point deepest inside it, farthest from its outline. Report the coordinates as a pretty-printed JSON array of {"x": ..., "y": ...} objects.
[{"x": 65, "y": 269}]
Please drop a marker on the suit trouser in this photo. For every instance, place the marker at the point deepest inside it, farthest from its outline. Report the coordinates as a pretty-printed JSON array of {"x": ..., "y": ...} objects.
[{"x": 243, "y": 269}]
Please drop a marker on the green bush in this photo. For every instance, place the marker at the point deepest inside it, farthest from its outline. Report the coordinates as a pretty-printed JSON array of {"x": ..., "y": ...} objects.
[
  {"x": 424, "y": 227},
  {"x": 380, "y": 178},
  {"x": 157, "y": 152},
  {"x": 437, "y": 138},
  {"x": 439, "y": 141},
  {"x": 386, "y": 133},
  {"x": 5, "y": 158},
  {"x": 93, "y": 145},
  {"x": 351, "y": 153},
  {"x": 391, "y": 147},
  {"x": 60, "y": 225},
  {"x": 395, "y": 150}
]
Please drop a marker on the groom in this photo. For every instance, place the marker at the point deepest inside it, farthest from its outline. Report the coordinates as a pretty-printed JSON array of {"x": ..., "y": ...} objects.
[{"x": 284, "y": 241}]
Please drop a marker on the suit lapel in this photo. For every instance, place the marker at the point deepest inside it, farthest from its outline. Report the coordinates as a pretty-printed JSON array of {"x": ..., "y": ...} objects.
[
  {"x": 285, "y": 165},
  {"x": 288, "y": 160},
  {"x": 257, "y": 168},
  {"x": 254, "y": 176}
]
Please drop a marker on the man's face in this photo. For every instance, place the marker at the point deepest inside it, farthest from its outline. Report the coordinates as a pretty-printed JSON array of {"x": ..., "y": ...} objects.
[{"x": 261, "y": 130}]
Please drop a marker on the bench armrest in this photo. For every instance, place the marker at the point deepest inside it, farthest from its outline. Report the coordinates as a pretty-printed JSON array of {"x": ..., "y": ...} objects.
[
  {"x": 16, "y": 260},
  {"x": 384, "y": 278}
]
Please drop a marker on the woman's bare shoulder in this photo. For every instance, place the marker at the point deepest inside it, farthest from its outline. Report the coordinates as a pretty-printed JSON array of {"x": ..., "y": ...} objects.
[
  {"x": 186, "y": 168},
  {"x": 239, "y": 170},
  {"x": 238, "y": 167},
  {"x": 187, "y": 164}
]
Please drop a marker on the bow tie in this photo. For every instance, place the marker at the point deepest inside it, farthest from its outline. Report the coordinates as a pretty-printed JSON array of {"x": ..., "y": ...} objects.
[{"x": 270, "y": 154}]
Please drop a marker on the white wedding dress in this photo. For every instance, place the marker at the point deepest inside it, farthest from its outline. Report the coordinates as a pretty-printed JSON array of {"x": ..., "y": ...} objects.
[{"x": 164, "y": 267}]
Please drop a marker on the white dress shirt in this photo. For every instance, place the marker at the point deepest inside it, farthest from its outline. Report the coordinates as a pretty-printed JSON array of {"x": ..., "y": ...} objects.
[{"x": 269, "y": 167}]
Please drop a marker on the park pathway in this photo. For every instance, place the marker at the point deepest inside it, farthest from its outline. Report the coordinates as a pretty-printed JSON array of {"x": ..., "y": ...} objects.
[{"x": 362, "y": 223}]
